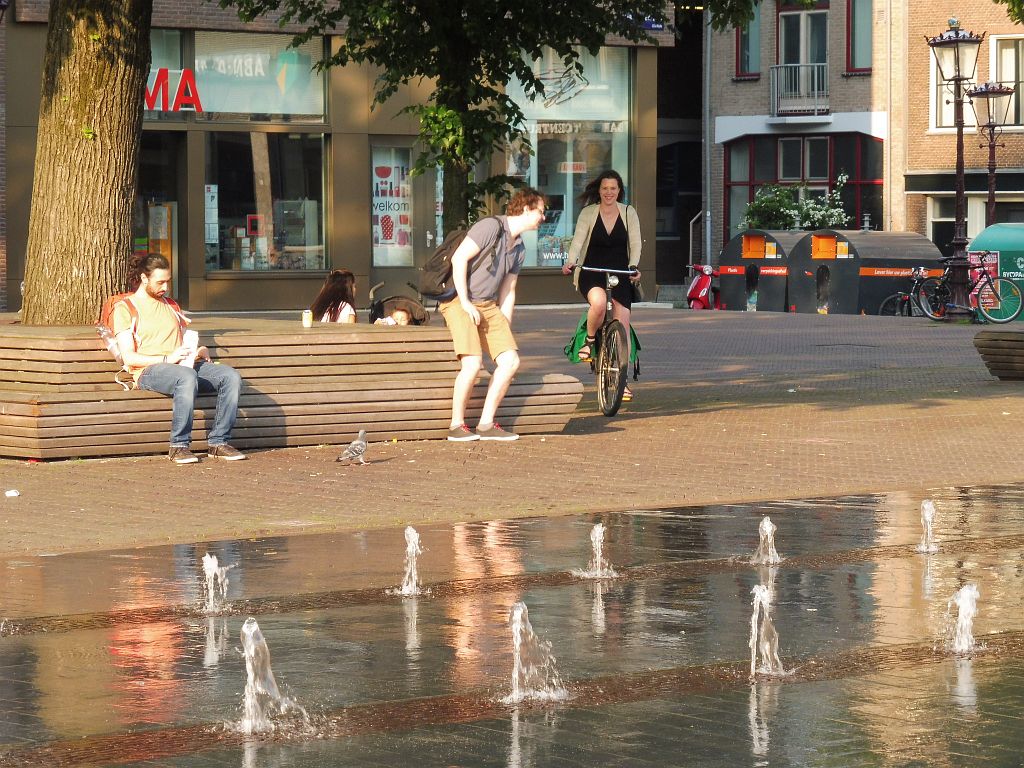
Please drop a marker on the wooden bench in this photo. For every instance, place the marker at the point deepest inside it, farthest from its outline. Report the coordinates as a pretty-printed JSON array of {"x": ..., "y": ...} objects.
[
  {"x": 301, "y": 386},
  {"x": 1003, "y": 352}
]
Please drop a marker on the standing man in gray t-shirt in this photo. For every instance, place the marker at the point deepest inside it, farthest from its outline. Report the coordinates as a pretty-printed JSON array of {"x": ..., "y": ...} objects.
[{"x": 479, "y": 316}]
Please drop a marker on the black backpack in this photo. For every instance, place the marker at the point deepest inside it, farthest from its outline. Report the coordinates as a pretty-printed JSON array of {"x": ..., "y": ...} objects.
[{"x": 436, "y": 272}]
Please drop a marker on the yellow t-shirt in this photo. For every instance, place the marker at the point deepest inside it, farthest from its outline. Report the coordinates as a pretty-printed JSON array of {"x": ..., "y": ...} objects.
[{"x": 157, "y": 331}]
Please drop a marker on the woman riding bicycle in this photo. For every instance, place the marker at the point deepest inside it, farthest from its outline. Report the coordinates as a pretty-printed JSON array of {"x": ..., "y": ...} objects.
[{"x": 607, "y": 236}]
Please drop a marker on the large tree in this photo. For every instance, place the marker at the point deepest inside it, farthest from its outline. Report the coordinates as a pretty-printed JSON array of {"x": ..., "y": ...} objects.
[
  {"x": 468, "y": 49},
  {"x": 90, "y": 124},
  {"x": 1014, "y": 9}
]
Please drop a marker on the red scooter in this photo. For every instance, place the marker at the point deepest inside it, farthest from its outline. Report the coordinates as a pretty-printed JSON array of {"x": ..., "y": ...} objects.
[{"x": 701, "y": 294}]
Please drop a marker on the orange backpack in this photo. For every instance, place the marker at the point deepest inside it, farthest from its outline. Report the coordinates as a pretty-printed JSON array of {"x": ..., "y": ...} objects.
[{"x": 105, "y": 327}]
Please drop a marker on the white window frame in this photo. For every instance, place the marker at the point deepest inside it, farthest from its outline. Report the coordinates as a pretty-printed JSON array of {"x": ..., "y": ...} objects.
[
  {"x": 996, "y": 75},
  {"x": 933, "y": 102},
  {"x": 805, "y": 36}
]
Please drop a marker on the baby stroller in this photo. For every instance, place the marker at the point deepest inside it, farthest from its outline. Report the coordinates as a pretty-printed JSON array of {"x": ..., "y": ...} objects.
[{"x": 380, "y": 308}]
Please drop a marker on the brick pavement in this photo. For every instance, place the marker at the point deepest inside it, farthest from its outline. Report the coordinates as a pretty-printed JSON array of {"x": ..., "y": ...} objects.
[{"x": 730, "y": 407}]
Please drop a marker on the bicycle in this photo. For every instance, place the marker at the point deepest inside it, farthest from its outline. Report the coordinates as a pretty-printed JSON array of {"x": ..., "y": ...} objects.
[
  {"x": 998, "y": 300},
  {"x": 905, "y": 303},
  {"x": 612, "y": 359}
]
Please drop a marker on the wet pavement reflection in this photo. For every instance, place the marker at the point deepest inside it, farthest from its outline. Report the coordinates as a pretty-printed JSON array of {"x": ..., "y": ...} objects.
[{"x": 109, "y": 658}]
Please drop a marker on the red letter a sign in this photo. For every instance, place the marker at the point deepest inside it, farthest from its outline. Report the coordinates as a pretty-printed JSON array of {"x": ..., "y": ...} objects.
[{"x": 187, "y": 96}]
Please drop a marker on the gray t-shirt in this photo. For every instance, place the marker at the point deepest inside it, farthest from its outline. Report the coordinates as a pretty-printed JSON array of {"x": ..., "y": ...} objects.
[{"x": 508, "y": 257}]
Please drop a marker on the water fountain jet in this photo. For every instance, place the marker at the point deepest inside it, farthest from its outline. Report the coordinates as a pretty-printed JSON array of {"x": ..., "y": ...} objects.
[
  {"x": 966, "y": 602},
  {"x": 216, "y": 577},
  {"x": 599, "y": 567},
  {"x": 411, "y": 582},
  {"x": 927, "y": 545},
  {"x": 764, "y": 640},
  {"x": 766, "y": 554},
  {"x": 534, "y": 675},
  {"x": 262, "y": 699}
]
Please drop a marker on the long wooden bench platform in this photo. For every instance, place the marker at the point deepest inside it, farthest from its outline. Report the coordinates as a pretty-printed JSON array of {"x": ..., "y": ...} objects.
[
  {"x": 301, "y": 386},
  {"x": 1003, "y": 352}
]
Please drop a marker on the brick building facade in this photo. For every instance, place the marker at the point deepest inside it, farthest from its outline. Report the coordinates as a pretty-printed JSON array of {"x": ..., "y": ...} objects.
[{"x": 880, "y": 96}]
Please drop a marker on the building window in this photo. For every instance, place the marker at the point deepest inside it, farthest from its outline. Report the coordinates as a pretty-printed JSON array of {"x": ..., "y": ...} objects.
[
  {"x": 156, "y": 222},
  {"x": 578, "y": 128},
  {"x": 803, "y": 37},
  {"x": 858, "y": 36},
  {"x": 812, "y": 164},
  {"x": 258, "y": 77},
  {"x": 942, "y": 94},
  {"x": 264, "y": 201},
  {"x": 1010, "y": 71},
  {"x": 748, "y": 47}
]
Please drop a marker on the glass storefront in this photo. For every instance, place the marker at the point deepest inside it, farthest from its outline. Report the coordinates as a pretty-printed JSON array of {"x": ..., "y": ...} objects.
[
  {"x": 258, "y": 77},
  {"x": 264, "y": 201},
  {"x": 156, "y": 215},
  {"x": 579, "y": 128}
]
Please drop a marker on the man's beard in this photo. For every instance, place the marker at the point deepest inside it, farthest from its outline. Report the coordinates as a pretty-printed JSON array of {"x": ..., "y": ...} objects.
[{"x": 153, "y": 293}]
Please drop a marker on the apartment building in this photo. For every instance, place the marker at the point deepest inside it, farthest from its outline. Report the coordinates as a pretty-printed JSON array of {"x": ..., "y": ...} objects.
[{"x": 803, "y": 95}]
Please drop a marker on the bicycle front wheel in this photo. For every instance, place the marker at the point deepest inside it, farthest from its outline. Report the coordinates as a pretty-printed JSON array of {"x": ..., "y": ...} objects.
[
  {"x": 890, "y": 306},
  {"x": 1000, "y": 300},
  {"x": 932, "y": 297},
  {"x": 612, "y": 361}
]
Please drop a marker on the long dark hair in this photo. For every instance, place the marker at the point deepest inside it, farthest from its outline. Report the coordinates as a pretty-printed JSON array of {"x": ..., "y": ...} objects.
[
  {"x": 144, "y": 264},
  {"x": 591, "y": 193},
  {"x": 338, "y": 289}
]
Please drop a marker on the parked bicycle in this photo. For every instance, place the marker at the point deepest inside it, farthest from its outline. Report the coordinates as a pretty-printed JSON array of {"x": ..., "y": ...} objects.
[
  {"x": 905, "y": 303},
  {"x": 612, "y": 343},
  {"x": 996, "y": 299}
]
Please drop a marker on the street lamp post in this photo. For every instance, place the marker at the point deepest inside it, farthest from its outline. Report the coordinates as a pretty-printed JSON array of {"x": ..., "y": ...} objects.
[
  {"x": 991, "y": 105},
  {"x": 956, "y": 55}
]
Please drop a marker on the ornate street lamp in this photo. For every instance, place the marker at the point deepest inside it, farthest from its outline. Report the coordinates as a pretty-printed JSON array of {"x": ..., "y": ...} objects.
[
  {"x": 991, "y": 105},
  {"x": 956, "y": 55}
]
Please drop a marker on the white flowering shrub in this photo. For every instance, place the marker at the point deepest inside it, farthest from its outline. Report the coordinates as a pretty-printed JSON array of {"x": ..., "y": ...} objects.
[{"x": 777, "y": 207}]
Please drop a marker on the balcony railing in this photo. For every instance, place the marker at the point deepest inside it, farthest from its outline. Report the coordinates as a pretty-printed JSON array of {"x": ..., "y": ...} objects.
[{"x": 799, "y": 89}]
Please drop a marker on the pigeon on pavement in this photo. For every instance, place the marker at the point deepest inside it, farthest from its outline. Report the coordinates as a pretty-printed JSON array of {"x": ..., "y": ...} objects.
[{"x": 356, "y": 449}]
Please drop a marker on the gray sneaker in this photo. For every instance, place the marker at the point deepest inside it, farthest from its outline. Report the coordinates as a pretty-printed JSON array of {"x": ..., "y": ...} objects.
[
  {"x": 462, "y": 434},
  {"x": 225, "y": 452},
  {"x": 182, "y": 455},
  {"x": 494, "y": 432}
]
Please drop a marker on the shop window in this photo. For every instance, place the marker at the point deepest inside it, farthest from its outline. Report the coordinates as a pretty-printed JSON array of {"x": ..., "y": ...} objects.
[
  {"x": 392, "y": 207},
  {"x": 264, "y": 201},
  {"x": 578, "y": 128},
  {"x": 748, "y": 47},
  {"x": 258, "y": 77},
  {"x": 165, "y": 75},
  {"x": 858, "y": 36}
]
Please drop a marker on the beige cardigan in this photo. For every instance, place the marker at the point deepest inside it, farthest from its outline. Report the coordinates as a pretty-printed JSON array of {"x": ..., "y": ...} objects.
[{"x": 585, "y": 225}]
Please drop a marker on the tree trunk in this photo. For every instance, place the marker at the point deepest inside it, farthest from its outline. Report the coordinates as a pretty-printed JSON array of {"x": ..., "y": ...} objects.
[
  {"x": 90, "y": 125},
  {"x": 453, "y": 188}
]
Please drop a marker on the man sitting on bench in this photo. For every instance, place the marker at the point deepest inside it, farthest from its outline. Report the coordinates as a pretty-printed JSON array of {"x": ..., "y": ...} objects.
[{"x": 150, "y": 334}]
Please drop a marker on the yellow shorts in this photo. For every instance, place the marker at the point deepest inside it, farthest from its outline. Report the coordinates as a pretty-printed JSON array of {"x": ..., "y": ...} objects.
[{"x": 492, "y": 336}]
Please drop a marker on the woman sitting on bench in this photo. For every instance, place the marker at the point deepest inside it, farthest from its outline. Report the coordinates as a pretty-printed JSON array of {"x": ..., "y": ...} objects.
[{"x": 336, "y": 302}]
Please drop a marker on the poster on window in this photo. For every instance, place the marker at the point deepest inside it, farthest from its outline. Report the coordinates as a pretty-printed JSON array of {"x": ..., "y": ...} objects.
[{"x": 391, "y": 222}]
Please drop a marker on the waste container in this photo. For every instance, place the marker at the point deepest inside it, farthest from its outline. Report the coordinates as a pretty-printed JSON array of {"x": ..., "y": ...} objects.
[
  {"x": 753, "y": 269},
  {"x": 850, "y": 272},
  {"x": 887, "y": 260}
]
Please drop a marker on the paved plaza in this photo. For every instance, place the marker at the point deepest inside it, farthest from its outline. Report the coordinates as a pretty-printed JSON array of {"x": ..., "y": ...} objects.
[
  {"x": 729, "y": 407},
  {"x": 114, "y": 652}
]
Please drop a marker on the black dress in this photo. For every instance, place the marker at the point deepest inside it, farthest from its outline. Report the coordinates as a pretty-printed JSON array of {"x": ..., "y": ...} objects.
[{"x": 608, "y": 251}]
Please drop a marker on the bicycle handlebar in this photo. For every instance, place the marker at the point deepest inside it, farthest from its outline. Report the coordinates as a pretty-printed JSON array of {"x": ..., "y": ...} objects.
[{"x": 611, "y": 271}]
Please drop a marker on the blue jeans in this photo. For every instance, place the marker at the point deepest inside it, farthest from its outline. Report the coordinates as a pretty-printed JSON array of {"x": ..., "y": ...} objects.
[{"x": 182, "y": 384}]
